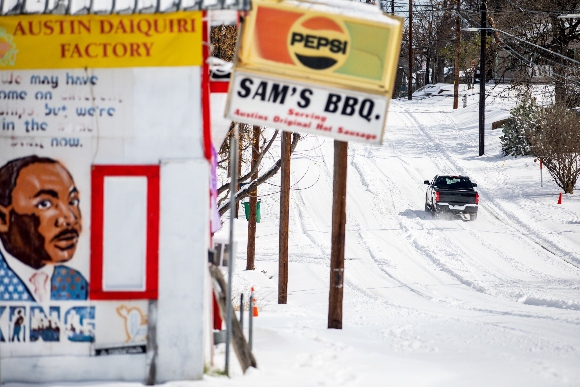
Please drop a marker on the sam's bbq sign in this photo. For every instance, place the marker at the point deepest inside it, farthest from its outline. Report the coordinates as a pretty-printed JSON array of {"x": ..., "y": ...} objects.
[
  {"x": 326, "y": 70},
  {"x": 293, "y": 106}
]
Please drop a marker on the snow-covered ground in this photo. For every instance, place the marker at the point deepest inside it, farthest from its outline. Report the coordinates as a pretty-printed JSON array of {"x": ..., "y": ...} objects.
[{"x": 427, "y": 301}]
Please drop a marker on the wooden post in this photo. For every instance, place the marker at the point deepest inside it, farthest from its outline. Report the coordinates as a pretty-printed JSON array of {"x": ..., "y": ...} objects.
[
  {"x": 410, "y": 80},
  {"x": 251, "y": 251},
  {"x": 241, "y": 347},
  {"x": 456, "y": 62},
  {"x": 284, "y": 220},
  {"x": 242, "y": 311},
  {"x": 240, "y": 154},
  {"x": 338, "y": 235}
]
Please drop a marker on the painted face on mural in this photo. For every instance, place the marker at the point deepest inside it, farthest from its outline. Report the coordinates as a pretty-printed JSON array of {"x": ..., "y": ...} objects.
[{"x": 43, "y": 222}]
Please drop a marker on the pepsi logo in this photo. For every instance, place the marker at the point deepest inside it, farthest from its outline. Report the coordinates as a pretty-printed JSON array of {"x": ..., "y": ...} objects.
[{"x": 318, "y": 43}]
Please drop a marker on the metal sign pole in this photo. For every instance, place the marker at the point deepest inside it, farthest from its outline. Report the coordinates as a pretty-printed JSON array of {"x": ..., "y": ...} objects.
[
  {"x": 251, "y": 319},
  {"x": 541, "y": 175},
  {"x": 233, "y": 185}
]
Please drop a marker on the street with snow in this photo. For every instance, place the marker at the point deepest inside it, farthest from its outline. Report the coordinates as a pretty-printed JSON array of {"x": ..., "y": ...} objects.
[{"x": 427, "y": 301}]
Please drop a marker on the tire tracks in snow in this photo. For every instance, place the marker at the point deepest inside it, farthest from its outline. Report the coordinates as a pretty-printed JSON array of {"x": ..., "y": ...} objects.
[
  {"x": 427, "y": 252},
  {"x": 525, "y": 230},
  {"x": 407, "y": 233},
  {"x": 444, "y": 159},
  {"x": 493, "y": 207},
  {"x": 441, "y": 160}
]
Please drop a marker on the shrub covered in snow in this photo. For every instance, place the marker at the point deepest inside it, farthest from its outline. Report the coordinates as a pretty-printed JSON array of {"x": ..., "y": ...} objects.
[
  {"x": 556, "y": 139},
  {"x": 551, "y": 133},
  {"x": 516, "y": 132}
]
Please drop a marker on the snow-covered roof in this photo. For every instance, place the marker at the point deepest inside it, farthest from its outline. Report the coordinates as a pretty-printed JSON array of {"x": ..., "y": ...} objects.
[{"x": 83, "y": 7}]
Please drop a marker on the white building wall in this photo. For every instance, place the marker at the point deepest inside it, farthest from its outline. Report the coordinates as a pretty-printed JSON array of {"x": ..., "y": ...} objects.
[{"x": 182, "y": 269}]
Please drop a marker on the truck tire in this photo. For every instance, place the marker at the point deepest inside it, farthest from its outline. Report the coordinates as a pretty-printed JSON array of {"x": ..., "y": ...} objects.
[
  {"x": 434, "y": 211},
  {"x": 428, "y": 208},
  {"x": 472, "y": 217}
]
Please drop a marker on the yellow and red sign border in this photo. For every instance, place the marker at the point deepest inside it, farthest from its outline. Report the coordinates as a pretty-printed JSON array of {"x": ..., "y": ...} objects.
[
  {"x": 248, "y": 58},
  {"x": 100, "y": 41}
]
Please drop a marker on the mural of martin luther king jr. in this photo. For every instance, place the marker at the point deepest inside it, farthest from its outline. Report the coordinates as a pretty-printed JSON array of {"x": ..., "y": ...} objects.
[{"x": 40, "y": 224}]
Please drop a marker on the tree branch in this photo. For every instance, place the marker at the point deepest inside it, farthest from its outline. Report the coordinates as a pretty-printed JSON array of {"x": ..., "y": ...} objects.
[
  {"x": 226, "y": 186},
  {"x": 245, "y": 192}
]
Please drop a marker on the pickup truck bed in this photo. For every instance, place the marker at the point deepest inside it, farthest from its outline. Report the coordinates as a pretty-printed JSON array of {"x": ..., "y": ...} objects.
[{"x": 452, "y": 194}]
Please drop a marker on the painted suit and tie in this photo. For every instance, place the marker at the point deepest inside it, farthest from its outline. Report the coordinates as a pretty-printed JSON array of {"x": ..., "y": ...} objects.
[{"x": 65, "y": 284}]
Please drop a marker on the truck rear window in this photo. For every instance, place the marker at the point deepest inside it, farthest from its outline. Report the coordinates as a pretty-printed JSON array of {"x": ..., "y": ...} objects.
[{"x": 453, "y": 182}]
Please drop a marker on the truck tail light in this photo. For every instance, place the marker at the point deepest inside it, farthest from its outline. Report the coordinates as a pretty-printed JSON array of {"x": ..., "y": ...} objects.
[
  {"x": 436, "y": 196},
  {"x": 476, "y": 198}
]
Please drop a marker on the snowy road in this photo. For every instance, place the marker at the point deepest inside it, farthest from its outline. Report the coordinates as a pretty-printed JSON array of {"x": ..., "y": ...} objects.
[
  {"x": 427, "y": 301},
  {"x": 494, "y": 301}
]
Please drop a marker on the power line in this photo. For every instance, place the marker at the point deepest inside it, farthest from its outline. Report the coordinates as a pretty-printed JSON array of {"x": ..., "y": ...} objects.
[
  {"x": 537, "y": 46},
  {"x": 510, "y": 49},
  {"x": 538, "y": 55}
]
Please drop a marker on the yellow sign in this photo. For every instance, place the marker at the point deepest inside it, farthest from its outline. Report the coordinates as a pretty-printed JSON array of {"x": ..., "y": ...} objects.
[
  {"x": 60, "y": 41},
  {"x": 353, "y": 48}
]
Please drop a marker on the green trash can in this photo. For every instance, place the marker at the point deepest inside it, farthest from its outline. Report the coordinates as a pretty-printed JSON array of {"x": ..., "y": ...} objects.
[{"x": 247, "y": 210}]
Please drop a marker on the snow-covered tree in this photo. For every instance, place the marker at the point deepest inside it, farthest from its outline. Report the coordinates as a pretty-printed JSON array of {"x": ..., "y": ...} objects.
[
  {"x": 516, "y": 132},
  {"x": 556, "y": 139}
]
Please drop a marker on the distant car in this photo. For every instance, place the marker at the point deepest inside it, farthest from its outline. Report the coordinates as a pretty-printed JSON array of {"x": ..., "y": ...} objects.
[{"x": 452, "y": 194}]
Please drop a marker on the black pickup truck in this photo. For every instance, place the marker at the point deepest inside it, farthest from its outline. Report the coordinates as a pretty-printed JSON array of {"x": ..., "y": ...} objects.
[{"x": 452, "y": 194}]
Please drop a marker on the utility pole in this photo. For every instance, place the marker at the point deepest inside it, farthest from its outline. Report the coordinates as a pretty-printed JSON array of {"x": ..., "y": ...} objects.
[
  {"x": 251, "y": 250},
  {"x": 410, "y": 80},
  {"x": 393, "y": 7},
  {"x": 428, "y": 76},
  {"x": 284, "y": 220},
  {"x": 456, "y": 62},
  {"x": 338, "y": 235},
  {"x": 483, "y": 33}
]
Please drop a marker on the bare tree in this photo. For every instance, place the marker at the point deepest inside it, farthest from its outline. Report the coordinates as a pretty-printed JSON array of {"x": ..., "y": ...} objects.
[
  {"x": 556, "y": 139},
  {"x": 432, "y": 30},
  {"x": 532, "y": 44},
  {"x": 223, "y": 40},
  {"x": 247, "y": 190},
  {"x": 434, "y": 36}
]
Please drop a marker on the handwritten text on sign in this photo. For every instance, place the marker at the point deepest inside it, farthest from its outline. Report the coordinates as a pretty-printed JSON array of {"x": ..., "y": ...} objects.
[
  {"x": 63, "y": 108},
  {"x": 342, "y": 114}
]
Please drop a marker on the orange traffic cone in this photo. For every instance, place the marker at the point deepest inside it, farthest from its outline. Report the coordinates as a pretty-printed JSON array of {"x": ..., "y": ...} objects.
[
  {"x": 254, "y": 302},
  {"x": 560, "y": 198}
]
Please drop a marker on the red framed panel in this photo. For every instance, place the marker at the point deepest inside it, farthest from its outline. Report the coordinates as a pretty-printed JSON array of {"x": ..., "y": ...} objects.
[
  {"x": 98, "y": 175},
  {"x": 205, "y": 90},
  {"x": 219, "y": 86}
]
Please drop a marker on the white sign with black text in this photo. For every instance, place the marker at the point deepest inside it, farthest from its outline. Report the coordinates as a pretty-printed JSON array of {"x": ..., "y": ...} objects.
[{"x": 344, "y": 115}]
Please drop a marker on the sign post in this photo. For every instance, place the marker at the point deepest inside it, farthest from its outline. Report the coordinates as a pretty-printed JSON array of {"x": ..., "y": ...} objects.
[
  {"x": 541, "y": 175},
  {"x": 338, "y": 234}
]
